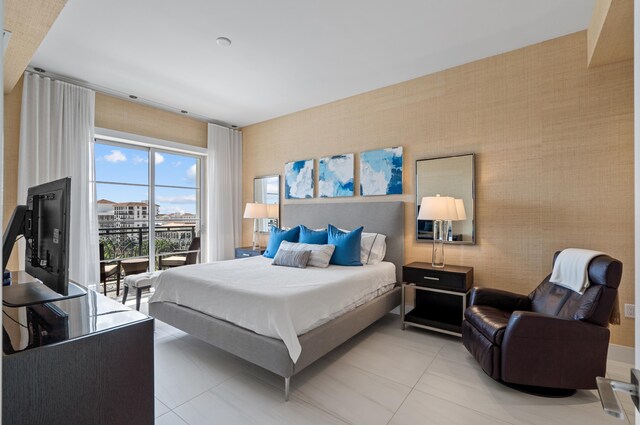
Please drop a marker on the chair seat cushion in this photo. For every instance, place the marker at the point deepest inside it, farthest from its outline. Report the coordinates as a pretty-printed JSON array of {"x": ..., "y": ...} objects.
[
  {"x": 141, "y": 280},
  {"x": 174, "y": 260},
  {"x": 490, "y": 321},
  {"x": 110, "y": 269}
]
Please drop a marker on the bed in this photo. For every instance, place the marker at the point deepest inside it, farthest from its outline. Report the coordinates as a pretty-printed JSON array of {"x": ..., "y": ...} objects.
[{"x": 286, "y": 347}]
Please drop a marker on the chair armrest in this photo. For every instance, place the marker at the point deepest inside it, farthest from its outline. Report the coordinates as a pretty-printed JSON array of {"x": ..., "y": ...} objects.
[
  {"x": 548, "y": 351},
  {"x": 552, "y": 329},
  {"x": 502, "y": 300},
  {"x": 109, "y": 262},
  {"x": 165, "y": 254}
]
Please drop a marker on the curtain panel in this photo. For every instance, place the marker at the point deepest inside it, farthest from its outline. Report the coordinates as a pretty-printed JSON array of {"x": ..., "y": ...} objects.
[
  {"x": 224, "y": 192},
  {"x": 56, "y": 141}
]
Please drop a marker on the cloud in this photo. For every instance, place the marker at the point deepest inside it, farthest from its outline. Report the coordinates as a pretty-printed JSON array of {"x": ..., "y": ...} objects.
[
  {"x": 184, "y": 199},
  {"x": 191, "y": 172},
  {"x": 159, "y": 158},
  {"x": 177, "y": 163},
  {"x": 115, "y": 156},
  {"x": 139, "y": 159},
  {"x": 172, "y": 210}
]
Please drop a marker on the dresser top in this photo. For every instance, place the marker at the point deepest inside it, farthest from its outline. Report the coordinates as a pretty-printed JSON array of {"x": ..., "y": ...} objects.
[
  {"x": 86, "y": 315},
  {"x": 447, "y": 268}
]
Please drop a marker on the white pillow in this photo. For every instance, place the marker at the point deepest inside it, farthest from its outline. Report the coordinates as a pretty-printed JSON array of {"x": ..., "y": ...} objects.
[
  {"x": 373, "y": 248},
  {"x": 320, "y": 254}
]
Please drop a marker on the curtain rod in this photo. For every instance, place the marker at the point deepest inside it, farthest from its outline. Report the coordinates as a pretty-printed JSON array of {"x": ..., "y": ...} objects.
[{"x": 125, "y": 96}]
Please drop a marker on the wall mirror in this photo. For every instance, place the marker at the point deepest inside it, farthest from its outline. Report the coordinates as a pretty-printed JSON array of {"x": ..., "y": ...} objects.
[
  {"x": 448, "y": 176},
  {"x": 266, "y": 190}
]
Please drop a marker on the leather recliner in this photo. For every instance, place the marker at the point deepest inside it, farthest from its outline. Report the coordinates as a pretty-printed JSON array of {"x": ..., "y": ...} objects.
[{"x": 553, "y": 338}]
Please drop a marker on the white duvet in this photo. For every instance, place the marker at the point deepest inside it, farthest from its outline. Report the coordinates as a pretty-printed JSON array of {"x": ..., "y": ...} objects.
[{"x": 279, "y": 302}]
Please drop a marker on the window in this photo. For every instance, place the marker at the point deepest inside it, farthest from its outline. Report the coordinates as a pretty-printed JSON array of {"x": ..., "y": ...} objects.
[{"x": 146, "y": 206}]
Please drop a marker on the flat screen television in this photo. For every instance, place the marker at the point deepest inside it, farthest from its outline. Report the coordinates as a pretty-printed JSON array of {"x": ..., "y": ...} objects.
[
  {"x": 424, "y": 227},
  {"x": 44, "y": 222}
]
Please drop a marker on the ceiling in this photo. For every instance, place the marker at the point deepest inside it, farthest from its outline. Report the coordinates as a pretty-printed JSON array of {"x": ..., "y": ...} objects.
[{"x": 286, "y": 55}]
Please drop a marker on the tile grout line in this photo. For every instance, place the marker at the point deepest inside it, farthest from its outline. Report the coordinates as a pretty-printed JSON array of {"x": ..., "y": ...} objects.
[
  {"x": 453, "y": 402},
  {"x": 199, "y": 394},
  {"x": 414, "y": 385}
]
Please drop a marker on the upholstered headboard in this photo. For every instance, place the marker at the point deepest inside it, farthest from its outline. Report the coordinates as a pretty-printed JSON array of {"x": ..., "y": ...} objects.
[{"x": 376, "y": 217}]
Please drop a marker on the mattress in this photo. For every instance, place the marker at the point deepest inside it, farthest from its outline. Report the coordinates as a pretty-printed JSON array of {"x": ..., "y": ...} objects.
[{"x": 278, "y": 302}]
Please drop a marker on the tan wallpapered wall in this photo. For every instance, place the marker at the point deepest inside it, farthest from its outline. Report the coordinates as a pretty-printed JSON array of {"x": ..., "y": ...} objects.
[
  {"x": 554, "y": 165},
  {"x": 135, "y": 118},
  {"x": 111, "y": 113}
]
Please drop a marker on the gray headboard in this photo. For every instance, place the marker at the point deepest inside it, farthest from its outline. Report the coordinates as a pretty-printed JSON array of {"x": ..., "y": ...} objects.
[{"x": 376, "y": 217}]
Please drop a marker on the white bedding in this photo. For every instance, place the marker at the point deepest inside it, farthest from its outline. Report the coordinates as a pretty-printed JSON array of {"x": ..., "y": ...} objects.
[{"x": 279, "y": 302}]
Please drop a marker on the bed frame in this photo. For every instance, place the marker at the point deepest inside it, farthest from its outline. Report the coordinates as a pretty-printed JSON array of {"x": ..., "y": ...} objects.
[{"x": 271, "y": 353}]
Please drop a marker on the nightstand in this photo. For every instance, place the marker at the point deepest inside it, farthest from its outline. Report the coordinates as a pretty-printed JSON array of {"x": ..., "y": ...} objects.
[
  {"x": 439, "y": 296},
  {"x": 248, "y": 251}
]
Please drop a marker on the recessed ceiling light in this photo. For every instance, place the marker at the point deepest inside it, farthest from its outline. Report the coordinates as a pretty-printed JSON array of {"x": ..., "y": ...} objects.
[
  {"x": 133, "y": 96},
  {"x": 39, "y": 70},
  {"x": 184, "y": 112},
  {"x": 223, "y": 41}
]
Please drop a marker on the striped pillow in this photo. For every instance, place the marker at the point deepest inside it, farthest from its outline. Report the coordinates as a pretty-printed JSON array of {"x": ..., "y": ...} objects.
[
  {"x": 373, "y": 248},
  {"x": 288, "y": 258},
  {"x": 320, "y": 254}
]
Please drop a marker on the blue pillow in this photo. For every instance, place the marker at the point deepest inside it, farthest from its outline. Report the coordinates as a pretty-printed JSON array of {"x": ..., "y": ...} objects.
[
  {"x": 277, "y": 236},
  {"x": 316, "y": 237},
  {"x": 347, "y": 252}
]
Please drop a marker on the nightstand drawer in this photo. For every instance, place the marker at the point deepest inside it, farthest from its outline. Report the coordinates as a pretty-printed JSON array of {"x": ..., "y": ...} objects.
[
  {"x": 248, "y": 252},
  {"x": 449, "y": 278}
]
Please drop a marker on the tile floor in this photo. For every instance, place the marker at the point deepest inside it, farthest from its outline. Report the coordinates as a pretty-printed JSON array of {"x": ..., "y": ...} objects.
[{"x": 382, "y": 376}]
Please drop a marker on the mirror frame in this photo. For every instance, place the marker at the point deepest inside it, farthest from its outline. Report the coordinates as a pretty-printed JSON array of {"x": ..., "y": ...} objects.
[
  {"x": 279, "y": 192},
  {"x": 473, "y": 199}
]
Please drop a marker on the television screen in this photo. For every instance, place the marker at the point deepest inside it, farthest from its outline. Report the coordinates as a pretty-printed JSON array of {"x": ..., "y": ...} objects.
[{"x": 424, "y": 227}]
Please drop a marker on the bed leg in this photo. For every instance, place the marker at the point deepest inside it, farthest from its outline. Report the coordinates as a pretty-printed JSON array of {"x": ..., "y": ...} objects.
[{"x": 286, "y": 388}]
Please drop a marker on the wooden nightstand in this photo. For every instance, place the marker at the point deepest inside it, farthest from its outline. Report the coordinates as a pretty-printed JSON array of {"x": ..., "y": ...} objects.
[
  {"x": 248, "y": 251},
  {"x": 440, "y": 296}
]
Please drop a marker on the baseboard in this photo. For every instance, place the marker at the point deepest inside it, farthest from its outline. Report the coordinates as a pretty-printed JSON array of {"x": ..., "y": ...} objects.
[{"x": 621, "y": 353}]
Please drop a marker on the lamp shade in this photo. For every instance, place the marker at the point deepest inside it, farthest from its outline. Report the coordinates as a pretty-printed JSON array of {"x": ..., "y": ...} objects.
[
  {"x": 438, "y": 208},
  {"x": 462, "y": 215},
  {"x": 256, "y": 210},
  {"x": 273, "y": 210}
]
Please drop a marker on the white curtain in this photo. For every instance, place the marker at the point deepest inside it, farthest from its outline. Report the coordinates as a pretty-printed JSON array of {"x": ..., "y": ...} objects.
[
  {"x": 56, "y": 141},
  {"x": 224, "y": 192}
]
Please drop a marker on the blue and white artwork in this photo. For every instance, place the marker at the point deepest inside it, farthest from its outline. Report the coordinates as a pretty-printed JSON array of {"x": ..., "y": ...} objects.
[
  {"x": 381, "y": 172},
  {"x": 298, "y": 179},
  {"x": 335, "y": 176}
]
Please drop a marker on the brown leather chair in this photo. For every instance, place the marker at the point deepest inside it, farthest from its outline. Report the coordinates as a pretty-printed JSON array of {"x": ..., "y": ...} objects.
[{"x": 553, "y": 338}]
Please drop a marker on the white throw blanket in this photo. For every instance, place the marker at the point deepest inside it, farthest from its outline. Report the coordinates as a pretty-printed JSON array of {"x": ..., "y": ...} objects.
[{"x": 571, "y": 268}]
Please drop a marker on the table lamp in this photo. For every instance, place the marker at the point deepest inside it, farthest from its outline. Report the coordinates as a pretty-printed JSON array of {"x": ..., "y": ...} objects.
[
  {"x": 256, "y": 211},
  {"x": 439, "y": 209}
]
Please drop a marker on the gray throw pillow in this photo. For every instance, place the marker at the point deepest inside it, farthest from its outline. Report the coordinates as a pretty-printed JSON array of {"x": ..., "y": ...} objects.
[
  {"x": 288, "y": 258},
  {"x": 320, "y": 254}
]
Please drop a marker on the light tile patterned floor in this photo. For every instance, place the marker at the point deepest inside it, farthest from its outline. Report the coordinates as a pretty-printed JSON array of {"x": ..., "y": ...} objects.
[{"x": 382, "y": 376}]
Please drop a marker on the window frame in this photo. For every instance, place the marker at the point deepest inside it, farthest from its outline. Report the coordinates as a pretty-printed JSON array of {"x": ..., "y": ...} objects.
[{"x": 153, "y": 145}]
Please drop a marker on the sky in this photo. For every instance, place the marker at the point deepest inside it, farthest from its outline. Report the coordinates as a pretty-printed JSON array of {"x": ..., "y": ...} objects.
[{"x": 117, "y": 164}]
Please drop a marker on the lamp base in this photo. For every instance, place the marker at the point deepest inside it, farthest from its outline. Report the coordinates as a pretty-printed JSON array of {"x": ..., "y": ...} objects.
[
  {"x": 437, "y": 256},
  {"x": 256, "y": 236}
]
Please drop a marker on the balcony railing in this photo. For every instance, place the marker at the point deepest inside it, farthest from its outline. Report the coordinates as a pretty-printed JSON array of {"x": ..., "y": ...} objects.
[{"x": 131, "y": 242}]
